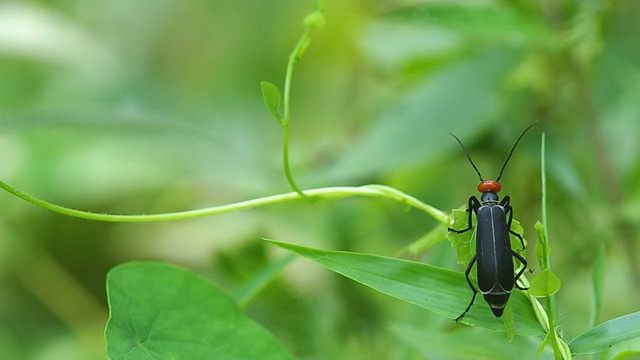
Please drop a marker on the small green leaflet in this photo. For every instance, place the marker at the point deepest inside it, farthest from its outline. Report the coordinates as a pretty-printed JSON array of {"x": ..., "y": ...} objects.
[
  {"x": 545, "y": 284},
  {"x": 272, "y": 98}
]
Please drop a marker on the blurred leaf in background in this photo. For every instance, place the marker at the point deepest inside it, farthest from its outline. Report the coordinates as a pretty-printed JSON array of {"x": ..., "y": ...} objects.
[{"x": 155, "y": 106}]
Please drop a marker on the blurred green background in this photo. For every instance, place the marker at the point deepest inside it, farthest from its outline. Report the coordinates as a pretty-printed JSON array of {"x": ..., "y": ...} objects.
[{"x": 148, "y": 106}]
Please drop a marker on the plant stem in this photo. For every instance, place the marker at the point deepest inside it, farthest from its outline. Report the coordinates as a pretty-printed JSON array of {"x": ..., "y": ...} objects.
[
  {"x": 379, "y": 191},
  {"x": 560, "y": 348},
  {"x": 294, "y": 58},
  {"x": 550, "y": 301},
  {"x": 577, "y": 70}
]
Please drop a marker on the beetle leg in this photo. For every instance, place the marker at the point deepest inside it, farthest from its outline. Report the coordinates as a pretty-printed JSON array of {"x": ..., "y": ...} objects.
[
  {"x": 473, "y": 288},
  {"x": 508, "y": 209},
  {"x": 524, "y": 262},
  {"x": 472, "y": 208}
]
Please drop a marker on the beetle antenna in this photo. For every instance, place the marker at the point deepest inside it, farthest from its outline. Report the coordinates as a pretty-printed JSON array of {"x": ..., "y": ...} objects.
[
  {"x": 468, "y": 156},
  {"x": 513, "y": 148}
]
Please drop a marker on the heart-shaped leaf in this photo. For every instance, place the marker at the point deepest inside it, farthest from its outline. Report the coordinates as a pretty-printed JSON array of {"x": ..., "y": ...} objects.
[{"x": 159, "y": 311}]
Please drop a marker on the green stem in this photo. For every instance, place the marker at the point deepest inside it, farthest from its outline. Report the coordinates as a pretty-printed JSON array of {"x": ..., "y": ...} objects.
[
  {"x": 546, "y": 257},
  {"x": 294, "y": 58},
  {"x": 378, "y": 191},
  {"x": 560, "y": 348}
]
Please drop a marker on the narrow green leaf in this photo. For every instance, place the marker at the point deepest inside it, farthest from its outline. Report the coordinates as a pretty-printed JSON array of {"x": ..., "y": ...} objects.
[
  {"x": 244, "y": 293},
  {"x": 442, "y": 291},
  {"x": 607, "y": 334},
  {"x": 159, "y": 311},
  {"x": 545, "y": 284},
  {"x": 565, "y": 351},
  {"x": 544, "y": 343},
  {"x": 598, "y": 286},
  {"x": 482, "y": 22},
  {"x": 627, "y": 354},
  {"x": 542, "y": 246},
  {"x": 427, "y": 240},
  {"x": 472, "y": 343},
  {"x": 540, "y": 312},
  {"x": 272, "y": 98}
]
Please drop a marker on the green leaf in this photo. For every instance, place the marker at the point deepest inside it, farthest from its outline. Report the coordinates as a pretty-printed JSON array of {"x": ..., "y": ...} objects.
[
  {"x": 243, "y": 294},
  {"x": 413, "y": 130},
  {"x": 272, "y": 98},
  {"x": 507, "y": 320},
  {"x": 494, "y": 24},
  {"x": 544, "y": 343},
  {"x": 427, "y": 240},
  {"x": 464, "y": 244},
  {"x": 468, "y": 343},
  {"x": 160, "y": 311},
  {"x": 627, "y": 354},
  {"x": 542, "y": 246},
  {"x": 607, "y": 334},
  {"x": 442, "y": 291},
  {"x": 545, "y": 284}
]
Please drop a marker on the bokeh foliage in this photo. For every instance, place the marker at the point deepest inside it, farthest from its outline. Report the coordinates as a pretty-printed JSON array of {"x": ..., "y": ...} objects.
[{"x": 154, "y": 106}]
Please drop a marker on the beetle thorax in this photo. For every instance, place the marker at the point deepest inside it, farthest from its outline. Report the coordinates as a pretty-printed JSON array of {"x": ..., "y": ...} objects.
[{"x": 489, "y": 197}]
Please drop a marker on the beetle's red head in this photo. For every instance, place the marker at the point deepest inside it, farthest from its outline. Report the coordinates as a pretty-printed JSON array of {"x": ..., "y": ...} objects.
[{"x": 489, "y": 185}]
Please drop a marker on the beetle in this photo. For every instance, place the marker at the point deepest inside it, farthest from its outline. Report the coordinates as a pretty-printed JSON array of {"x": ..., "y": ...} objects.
[{"x": 494, "y": 255}]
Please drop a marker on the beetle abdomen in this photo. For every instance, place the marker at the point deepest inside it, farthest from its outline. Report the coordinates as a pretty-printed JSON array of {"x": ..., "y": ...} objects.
[
  {"x": 497, "y": 302},
  {"x": 493, "y": 251}
]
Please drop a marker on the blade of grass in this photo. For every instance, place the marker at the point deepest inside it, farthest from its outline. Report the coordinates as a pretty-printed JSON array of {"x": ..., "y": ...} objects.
[
  {"x": 247, "y": 291},
  {"x": 607, "y": 334},
  {"x": 442, "y": 291}
]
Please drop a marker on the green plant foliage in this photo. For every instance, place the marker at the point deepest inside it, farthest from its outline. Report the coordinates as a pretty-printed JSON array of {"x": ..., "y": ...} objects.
[
  {"x": 159, "y": 311},
  {"x": 411, "y": 131},
  {"x": 628, "y": 354},
  {"x": 429, "y": 239},
  {"x": 272, "y": 98},
  {"x": 545, "y": 284},
  {"x": 542, "y": 246},
  {"x": 465, "y": 245},
  {"x": 508, "y": 321},
  {"x": 607, "y": 334},
  {"x": 465, "y": 344},
  {"x": 244, "y": 293},
  {"x": 442, "y": 291},
  {"x": 110, "y": 108},
  {"x": 492, "y": 24}
]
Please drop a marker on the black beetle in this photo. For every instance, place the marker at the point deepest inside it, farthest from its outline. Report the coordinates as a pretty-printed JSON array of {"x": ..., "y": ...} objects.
[{"x": 494, "y": 256}]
